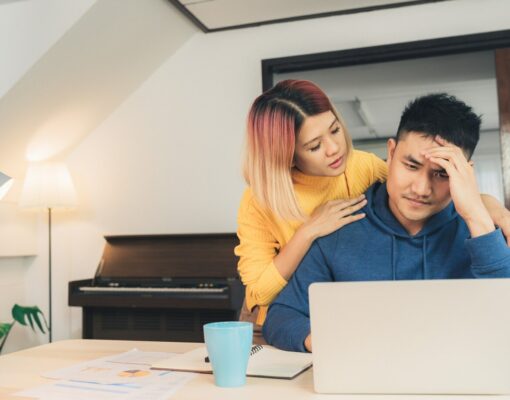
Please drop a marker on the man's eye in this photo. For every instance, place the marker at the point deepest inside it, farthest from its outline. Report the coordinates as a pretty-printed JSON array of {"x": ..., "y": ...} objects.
[
  {"x": 411, "y": 166},
  {"x": 442, "y": 175},
  {"x": 315, "y": 148}
]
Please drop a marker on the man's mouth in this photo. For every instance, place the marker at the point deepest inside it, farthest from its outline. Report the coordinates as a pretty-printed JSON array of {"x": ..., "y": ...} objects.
[{"x": 417, "y": 202}]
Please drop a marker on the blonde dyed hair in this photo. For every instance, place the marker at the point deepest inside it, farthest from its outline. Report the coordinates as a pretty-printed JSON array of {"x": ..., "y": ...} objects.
[{"x": 274, "y": 121}]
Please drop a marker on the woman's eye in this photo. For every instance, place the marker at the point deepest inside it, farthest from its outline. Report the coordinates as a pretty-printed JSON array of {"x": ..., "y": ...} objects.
[
  {"x": 315, "y": 148},
  {"x": 336, "y": 130}
]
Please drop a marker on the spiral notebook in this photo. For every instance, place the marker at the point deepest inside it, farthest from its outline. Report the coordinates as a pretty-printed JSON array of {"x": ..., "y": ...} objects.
[{"x": 265, "y": 362}]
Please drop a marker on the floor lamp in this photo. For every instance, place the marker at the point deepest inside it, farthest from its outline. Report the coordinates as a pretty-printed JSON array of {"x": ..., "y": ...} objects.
[{"x": 48, "y": 185}]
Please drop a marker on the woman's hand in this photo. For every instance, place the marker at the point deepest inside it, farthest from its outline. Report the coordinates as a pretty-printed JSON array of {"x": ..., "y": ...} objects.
[
  {"x": 308, "y": 343},
  {"x": 499, "y": 214},
  {"x": 333, "y": 215},
  {"x": 325, "y": 219}
]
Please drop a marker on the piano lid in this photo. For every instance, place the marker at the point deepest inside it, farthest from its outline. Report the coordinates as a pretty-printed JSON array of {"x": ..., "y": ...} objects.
[{"x": 169, "y": 256}]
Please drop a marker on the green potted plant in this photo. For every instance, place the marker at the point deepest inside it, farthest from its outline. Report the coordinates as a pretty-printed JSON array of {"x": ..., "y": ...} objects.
[{"x": 24, "y": 316}]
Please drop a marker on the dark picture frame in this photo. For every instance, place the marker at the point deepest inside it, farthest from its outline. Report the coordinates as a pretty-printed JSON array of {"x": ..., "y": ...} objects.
[{"x": 497, "y": 41}]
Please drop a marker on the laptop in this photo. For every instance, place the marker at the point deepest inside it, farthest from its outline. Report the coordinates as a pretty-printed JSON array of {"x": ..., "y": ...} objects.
[{"x": 411, "y": 337}]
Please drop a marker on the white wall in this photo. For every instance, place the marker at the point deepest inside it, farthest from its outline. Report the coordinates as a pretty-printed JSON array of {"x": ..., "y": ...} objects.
[
  {"x": 28, "y": 29},
  {"x": 69, "y": 91},
  {"x": 167, "y": 160}
]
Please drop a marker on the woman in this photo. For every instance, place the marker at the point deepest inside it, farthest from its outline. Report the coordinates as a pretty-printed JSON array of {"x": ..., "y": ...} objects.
[{"x": 305, "y": 181}]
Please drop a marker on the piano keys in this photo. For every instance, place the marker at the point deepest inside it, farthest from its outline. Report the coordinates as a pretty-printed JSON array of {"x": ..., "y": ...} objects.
[{"x": 160, "y": 287}]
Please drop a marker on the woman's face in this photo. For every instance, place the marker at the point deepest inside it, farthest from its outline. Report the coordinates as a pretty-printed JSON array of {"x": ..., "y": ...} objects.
[{"x": 320, "y": 146}]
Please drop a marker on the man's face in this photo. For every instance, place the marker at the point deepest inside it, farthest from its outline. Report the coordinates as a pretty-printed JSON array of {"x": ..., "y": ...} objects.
[{"x": 417, "y": 188}]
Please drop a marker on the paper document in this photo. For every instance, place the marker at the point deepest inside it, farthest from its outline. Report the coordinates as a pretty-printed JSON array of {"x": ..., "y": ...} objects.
[
  {"x": 65, "y": 390},
  {"x": 126, "y": 367},
  {"x": 122, "y": 376}
]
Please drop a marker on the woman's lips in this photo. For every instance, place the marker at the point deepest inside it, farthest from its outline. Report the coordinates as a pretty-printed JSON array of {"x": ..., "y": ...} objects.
[{"x": 335, "y": 164}]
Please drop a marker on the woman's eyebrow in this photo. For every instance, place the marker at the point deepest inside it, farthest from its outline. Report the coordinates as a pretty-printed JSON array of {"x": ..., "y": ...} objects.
[
  {"x": 318, "y": 137},
  {"x": 312, "y": 140}
]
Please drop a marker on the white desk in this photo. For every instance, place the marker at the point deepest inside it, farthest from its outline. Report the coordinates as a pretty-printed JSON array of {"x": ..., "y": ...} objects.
[{"x": 21, "y": 370}]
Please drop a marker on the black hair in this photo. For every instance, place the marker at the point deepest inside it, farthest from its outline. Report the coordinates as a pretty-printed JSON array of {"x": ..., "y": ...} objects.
[{"x": 443, "y": 115}]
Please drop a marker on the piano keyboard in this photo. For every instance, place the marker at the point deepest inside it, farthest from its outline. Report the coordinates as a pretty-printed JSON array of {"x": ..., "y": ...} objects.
[{"x": 96, "y": 289}]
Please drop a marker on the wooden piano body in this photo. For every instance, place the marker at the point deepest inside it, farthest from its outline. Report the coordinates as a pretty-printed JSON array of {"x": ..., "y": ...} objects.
[{"x": 160, "y": 287}]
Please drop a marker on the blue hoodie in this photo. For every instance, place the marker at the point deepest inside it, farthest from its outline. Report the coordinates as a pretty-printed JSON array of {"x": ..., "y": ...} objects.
[{"x": 378, "y": 248}]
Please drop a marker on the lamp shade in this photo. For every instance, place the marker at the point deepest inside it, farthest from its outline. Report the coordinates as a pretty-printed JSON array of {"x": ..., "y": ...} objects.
[
  {"x": 5, "y": 184},
  {"x": 48, "y": 185}
]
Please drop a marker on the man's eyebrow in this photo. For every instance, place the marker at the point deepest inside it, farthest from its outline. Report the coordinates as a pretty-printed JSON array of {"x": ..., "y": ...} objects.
[
  {"x": 411, "y": 159},
  {"x": 318, "y": 137}
]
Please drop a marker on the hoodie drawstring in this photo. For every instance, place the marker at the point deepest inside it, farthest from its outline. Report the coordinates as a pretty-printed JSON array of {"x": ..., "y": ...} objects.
[
  {"x": 425, "y": 272},
  {"x": 394, "y": 256}
]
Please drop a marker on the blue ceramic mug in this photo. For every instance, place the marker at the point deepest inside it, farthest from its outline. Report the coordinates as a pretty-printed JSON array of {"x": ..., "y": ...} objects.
[{"x": 228, "y": 346}]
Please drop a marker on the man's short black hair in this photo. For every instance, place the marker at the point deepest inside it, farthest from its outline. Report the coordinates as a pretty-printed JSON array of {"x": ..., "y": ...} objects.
[{"x": 444, "y": 115}]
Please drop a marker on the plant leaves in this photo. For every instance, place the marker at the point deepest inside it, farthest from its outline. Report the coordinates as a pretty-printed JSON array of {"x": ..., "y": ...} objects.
[
  {"x": 5, "y": 328},
  {"x": 23, "y": 314}
]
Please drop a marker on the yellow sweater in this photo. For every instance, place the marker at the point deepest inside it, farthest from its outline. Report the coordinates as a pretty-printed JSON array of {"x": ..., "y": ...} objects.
[{"x": 261, "y": 234}]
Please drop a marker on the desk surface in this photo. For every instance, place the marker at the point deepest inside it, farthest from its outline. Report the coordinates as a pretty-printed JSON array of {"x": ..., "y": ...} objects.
[{"x": 22, "y": 369}]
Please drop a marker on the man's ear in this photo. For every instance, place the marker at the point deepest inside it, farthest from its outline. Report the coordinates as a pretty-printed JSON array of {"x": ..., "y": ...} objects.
[{"x": 390, "y": 150}]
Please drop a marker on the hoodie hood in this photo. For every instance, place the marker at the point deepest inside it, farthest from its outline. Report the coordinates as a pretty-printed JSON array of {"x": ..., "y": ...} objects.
[{"x": 379, "y": 213}]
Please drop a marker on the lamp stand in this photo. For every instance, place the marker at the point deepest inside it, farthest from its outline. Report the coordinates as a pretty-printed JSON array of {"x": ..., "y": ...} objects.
[{"x": 50, "y": 328}]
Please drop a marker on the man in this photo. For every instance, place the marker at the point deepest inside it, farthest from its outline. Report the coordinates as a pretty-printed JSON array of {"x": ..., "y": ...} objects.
[{"x": 426, "y": 222}]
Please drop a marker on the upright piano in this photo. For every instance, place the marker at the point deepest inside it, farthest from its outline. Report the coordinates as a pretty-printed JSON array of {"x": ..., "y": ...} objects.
[{"x": 160, "y": 287}]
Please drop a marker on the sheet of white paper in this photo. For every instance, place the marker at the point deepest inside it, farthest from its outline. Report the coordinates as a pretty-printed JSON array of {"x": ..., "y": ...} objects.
[
  {"x": 130, "y": 367},
  {"x": 136, "y": 356},
  {"x": 64, "y": 390},
  {"x": 122, "y": 376}
]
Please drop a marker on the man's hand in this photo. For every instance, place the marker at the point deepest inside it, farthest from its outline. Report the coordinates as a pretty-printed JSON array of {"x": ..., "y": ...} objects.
[
  {"x": 308, "y": 343},
  {"x": 463, "y": 187}
]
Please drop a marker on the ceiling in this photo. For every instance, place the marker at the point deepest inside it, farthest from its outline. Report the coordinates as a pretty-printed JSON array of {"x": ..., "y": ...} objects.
[
  {"x": 216, "y": 15},
  {"x": 371, "y": 97}
]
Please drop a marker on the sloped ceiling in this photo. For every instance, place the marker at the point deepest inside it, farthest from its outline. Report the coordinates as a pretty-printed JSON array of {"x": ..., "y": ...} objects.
[
  {"x": 28, "y": 29},
  {"x": 93, "y": 68}
]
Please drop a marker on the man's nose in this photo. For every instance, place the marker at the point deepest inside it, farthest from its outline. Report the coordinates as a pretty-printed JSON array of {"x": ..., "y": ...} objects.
[{"x": 422, "y": 185}]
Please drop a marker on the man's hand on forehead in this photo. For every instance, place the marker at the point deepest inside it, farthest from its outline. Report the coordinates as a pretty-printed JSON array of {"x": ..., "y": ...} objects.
[
  {"x": 462, "y": 181},
  {"x": 442, "y": 142}
]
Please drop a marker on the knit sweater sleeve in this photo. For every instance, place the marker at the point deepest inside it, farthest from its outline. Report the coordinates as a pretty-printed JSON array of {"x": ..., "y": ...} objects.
[
  {"x": 379, "y": 168},
  {"x": 363, "y": 170},
  {"x": 256, "y": 251},
  {"x": 288, "y": 321}
]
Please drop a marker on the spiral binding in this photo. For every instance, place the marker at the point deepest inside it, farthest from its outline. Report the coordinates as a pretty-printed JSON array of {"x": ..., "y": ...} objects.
[{"x": 255, "y": 349}]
